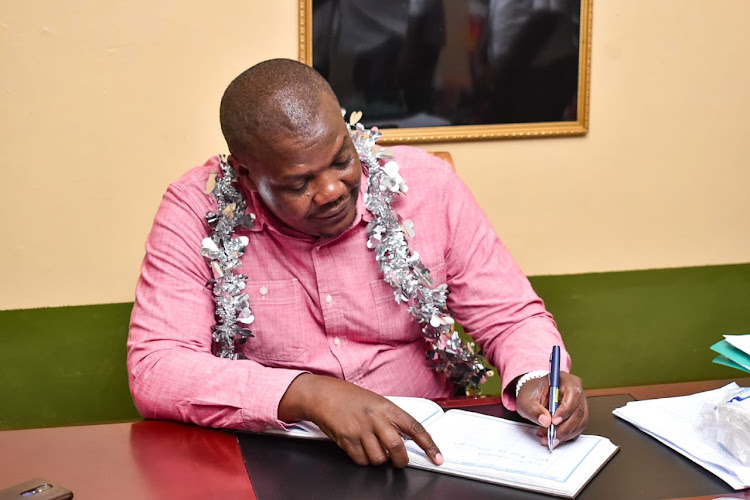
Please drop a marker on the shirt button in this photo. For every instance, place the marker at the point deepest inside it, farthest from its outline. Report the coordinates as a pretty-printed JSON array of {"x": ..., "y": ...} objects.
[
  {"x": 329, "y": 298},
  {"x": 263, "y": 290},
  {"x": 337, "y": 341}
]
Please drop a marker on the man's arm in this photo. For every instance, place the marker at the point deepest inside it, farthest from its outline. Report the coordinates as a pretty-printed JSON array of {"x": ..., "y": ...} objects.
[
  {"x": 172, "y": 372},
  {"x": 494, "y": 301}
]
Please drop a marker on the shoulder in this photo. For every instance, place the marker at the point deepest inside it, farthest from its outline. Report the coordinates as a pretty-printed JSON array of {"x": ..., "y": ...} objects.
[
  {"x": 187, "y": 197},
  {"x": 190, "y": 188},
  {"x": 194, "y": 180},
  {"x": 431, "y": 182},
  {"x": 418, "y": 166},
  {"x": 418, "y": 159}
]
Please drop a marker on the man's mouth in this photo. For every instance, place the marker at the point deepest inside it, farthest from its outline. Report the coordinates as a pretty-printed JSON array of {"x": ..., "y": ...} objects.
[{"x": 335, "y": 212}]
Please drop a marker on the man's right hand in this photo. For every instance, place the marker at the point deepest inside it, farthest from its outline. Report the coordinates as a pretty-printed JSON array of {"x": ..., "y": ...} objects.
[{"x": 367, "y": 426}]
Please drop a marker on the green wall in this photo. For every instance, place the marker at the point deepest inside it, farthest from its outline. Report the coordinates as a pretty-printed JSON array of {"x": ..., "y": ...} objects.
[
  {"x": 66, "y": 366},
  {"x": 647, "y": 327}
]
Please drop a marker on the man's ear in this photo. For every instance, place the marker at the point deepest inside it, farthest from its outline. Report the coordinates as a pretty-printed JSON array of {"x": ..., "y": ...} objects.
[{"x": 243, "y": 173}]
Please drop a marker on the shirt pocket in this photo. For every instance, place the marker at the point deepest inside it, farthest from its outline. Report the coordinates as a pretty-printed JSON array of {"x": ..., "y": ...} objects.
[
  {"x": 395, "y": 324},
  {"x": 277, "y": 307}
]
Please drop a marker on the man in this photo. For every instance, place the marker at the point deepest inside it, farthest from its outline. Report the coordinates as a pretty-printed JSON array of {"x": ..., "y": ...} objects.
[{"x": 328, "y": 339}]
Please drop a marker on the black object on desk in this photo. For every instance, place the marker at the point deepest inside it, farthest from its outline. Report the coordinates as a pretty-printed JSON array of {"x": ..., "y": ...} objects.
[{"x": 289, "y": 469}]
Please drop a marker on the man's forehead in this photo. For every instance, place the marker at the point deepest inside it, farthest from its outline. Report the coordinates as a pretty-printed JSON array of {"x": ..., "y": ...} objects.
[
  {"x": 292, "y": 156},
  {"x": 301, "y": 163},
  {"x": 289, "y": 118}
]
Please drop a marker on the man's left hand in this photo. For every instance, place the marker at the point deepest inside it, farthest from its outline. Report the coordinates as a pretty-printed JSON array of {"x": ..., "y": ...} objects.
[{"x": 571, "y": 416}]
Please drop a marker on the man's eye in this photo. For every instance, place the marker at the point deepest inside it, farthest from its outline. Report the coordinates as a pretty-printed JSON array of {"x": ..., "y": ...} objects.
[
  {"x": 343, "y": 163},
  {"x": 299, "y": 189}
]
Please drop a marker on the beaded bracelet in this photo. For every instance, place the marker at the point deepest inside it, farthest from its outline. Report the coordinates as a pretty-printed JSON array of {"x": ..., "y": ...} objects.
[{"x": 530, "y": 376}]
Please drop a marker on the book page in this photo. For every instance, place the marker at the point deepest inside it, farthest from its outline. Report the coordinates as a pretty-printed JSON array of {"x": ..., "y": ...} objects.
[
  {"x": 422, "y": 410},
  {"x": 471, "y": 440}
]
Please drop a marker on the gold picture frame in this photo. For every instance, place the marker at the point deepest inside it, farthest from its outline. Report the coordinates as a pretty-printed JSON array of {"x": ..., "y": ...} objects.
[{"x": 481, "y": 131}]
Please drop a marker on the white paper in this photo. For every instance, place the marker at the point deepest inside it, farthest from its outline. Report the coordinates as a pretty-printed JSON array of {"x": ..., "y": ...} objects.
[
  {"x": 510, "y": 453},
  {"x": 422, "y": 410},
  {"x": 676, "y": 423},
  {"x": 741, "y": 342}
]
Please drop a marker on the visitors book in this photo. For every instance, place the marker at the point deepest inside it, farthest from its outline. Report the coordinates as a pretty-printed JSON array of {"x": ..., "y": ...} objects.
[{"x": 494, "y": 450}]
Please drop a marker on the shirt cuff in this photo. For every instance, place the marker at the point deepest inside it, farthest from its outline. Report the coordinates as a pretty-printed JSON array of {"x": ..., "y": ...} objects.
[{"x": 261, "y": 412}]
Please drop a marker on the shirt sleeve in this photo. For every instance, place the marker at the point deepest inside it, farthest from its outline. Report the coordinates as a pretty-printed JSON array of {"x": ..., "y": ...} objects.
[
  {"x": 172, "y": 372},
  {"x": 492, "y": 298}
]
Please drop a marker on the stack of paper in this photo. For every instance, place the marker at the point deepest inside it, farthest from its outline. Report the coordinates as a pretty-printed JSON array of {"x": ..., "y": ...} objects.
[
  {"x": 734, "y": 351},
  {"x": 676, "y": 422}
]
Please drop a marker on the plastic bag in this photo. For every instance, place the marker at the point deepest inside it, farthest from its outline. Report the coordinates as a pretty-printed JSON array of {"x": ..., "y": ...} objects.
[{"x": 728, "y": 422}]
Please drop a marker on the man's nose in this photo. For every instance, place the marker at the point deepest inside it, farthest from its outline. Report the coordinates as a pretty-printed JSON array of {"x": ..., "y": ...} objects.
[{"x": 330, "y": 188}]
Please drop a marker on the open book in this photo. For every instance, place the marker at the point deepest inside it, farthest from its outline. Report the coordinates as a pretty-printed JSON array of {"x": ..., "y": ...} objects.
[{"x": 494, "y": 450}]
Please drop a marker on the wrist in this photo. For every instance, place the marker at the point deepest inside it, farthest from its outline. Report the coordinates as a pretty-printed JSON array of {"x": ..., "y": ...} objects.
[
  {"x": 530, "y": 376},
  {"x": 296, "y": 403}
]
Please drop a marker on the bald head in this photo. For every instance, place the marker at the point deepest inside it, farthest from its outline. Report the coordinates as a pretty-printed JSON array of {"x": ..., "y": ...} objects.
[{"x": 275, "y": 98}]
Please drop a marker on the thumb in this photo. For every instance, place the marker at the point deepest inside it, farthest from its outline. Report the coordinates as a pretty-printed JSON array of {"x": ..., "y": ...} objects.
[{"x": 531, "y": 403}]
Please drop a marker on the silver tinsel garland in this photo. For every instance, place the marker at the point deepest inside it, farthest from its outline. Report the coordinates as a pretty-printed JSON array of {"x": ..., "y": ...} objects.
[
  {"x": 404, "y": 271},
  {"x": 223, "y": 253},
  {"x": 401, "y": 268}
]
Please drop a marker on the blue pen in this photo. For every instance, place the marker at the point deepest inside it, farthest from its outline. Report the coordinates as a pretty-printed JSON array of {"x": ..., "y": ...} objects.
[{"x": 554, "y": 393}]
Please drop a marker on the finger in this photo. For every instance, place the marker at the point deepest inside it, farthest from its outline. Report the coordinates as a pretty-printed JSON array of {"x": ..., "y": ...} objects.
[
  {"x": 583, "y": 421},
  {"x": 571, "y": 390},
  {"x": 532, "y": 401},
  {"x": 394, "y": 447},
  {"x": 574, "y": 412},
  {"x": 571, "y": 428},
  {"x": 412, "y": 429},
  {"x": 355, "y": 452},
  {"x": 375, "y": 453}
]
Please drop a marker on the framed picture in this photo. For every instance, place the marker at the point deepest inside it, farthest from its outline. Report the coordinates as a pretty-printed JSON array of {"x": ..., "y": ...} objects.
[{"x": 449, "y": 70}]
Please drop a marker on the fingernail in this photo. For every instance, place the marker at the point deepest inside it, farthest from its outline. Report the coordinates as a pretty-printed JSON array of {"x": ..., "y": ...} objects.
[{"x": 439, "y": 459}]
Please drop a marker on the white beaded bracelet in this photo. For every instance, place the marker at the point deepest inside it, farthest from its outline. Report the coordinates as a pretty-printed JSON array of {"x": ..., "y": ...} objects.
[{"x": 530, "y": 376}]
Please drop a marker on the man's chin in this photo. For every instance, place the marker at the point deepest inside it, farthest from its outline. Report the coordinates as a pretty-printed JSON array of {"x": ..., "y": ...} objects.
[{"x": 336, "y": 227}]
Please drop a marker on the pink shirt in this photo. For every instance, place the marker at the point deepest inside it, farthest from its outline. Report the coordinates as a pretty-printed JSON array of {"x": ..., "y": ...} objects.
[{"x": 321, "y": 305}]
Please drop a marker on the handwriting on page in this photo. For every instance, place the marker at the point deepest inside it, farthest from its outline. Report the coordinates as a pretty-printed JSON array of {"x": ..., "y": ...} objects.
[
  {"x": 506, "y": 446},
  {"x": 515, "y": 457}
]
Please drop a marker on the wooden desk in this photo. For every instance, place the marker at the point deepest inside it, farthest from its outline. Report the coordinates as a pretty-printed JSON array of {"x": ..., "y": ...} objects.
[
  {"x": 637, "y": 392},
  {"x": 162, "y": 460},
  {"x": 137, "y": 461},
  {"x": 668, "y": 390}
]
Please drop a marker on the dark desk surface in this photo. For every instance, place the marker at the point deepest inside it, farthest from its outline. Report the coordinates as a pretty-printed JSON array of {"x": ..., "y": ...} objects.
[{"x": 159, "y": 460}]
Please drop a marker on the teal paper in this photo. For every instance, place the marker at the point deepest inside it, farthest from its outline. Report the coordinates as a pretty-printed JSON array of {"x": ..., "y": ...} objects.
[
  {"x": 733, "y": 354},
  {"x": 723, "y": 360}
]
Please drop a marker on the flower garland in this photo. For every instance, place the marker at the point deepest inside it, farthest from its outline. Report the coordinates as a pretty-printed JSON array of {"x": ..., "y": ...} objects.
[{"x": 387, "y": 233}]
